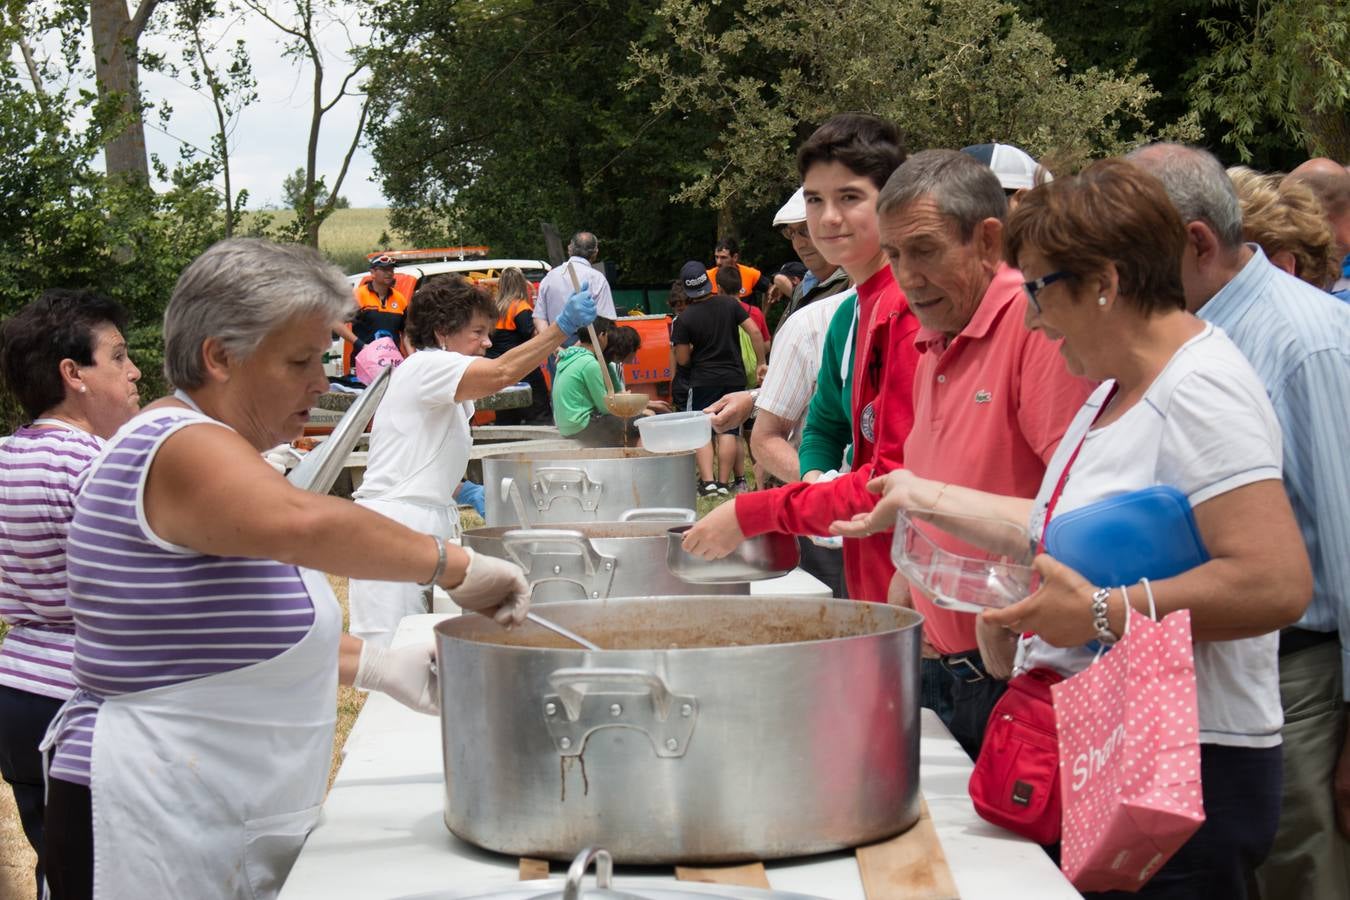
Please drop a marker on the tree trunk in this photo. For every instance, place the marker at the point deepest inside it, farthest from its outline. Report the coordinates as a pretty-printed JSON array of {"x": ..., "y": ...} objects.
[
  {"x": 115, "y": 38},
  {"x": 726, "y": 221}
]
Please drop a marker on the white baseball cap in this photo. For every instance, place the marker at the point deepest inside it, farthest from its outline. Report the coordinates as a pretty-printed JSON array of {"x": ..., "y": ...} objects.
[
  {"x": 1015, "y": 168},
  {"x": 793, "y": 211}
]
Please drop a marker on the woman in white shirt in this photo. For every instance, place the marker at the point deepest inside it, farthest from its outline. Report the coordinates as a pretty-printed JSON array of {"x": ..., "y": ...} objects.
[
  {"x": 420, "y": 439},
  {"x": 1178, "y": 405}
]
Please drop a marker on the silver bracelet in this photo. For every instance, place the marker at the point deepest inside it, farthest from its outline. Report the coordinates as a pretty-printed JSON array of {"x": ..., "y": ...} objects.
[
  {"x": 440, "y": 565},
  {"x": 1100, "y": 620}
]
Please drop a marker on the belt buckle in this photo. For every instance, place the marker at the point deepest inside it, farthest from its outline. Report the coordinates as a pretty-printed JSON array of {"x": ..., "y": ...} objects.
[{"x": 964, "y": 660}]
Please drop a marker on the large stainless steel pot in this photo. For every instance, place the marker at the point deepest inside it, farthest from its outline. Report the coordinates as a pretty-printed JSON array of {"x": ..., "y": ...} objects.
[
  {"x": 585, "y": 485},
  {"x": 713, "y": 731},
  {"x": 581, "y": 560}
]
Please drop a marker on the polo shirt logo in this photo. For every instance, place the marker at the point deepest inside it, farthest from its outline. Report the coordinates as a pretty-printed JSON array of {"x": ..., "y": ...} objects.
[{"x": 983, "y": 396}]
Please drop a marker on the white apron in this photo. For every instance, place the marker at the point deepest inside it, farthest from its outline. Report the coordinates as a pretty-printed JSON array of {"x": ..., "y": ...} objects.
[
  {"x": 207, "y": 789},
  {"x": 376, "y": 607}
]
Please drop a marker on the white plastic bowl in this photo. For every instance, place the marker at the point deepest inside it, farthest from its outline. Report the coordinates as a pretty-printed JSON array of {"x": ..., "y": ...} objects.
[
  {"x": 675, "y": 432},
  {"x": 937, "y": 553}
]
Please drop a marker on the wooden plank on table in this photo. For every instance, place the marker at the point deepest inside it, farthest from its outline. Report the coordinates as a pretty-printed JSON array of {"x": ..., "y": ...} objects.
[
  {"x": 533, "y": 869},
  {"x": 748, "y": 875},
  {"x": 910, "y": 865}
]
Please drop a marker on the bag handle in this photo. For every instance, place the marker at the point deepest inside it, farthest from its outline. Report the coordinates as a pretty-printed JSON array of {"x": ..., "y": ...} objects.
[
  {"x": 1152, "y": 607},
  {"x": 1125, "y": 595}
]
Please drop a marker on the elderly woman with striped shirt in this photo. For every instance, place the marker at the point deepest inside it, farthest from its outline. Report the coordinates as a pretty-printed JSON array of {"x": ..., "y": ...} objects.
[
  {"x": 193, "y": 757},
  {"x": 64, "y": 359}
]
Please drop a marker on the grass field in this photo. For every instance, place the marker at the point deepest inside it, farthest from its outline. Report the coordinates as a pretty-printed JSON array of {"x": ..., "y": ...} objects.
[{"x": 346, "y": 236}]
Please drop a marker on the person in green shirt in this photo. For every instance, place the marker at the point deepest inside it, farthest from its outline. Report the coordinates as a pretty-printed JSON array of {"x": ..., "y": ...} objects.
[
  {"x": 828, "y": 433},
  {"x": 579, "y": 394}
]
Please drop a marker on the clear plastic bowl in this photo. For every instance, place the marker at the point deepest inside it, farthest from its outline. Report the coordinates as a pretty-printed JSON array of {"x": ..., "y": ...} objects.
[
  {"x": 675, "y": 432},
  {"x": 941, "y": 555}
]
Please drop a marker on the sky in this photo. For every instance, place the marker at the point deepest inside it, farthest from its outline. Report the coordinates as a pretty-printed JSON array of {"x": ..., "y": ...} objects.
[{"x": 268, "y": 141}]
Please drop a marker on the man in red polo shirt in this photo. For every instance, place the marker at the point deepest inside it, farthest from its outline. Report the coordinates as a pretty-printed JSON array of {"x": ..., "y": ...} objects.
[
  {"x": 991, "y": 398},
  {"x": 843, "y": 167}
]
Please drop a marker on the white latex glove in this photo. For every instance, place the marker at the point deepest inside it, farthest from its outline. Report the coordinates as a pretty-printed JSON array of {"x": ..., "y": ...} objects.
[
  {"x": 493, "y": 587},
  {"x": 408, "y": 674}
]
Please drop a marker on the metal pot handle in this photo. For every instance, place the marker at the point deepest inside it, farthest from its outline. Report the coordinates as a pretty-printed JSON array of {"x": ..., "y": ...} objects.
[
  {"x": 604, "y": 871},
  {"x": 510, "y": 491},
  {"x": 658, "y": 514},
  {"x": 573, "y": 484},
  {"x": 572, "y": 712},
  {"x": 598, "y": 568}
]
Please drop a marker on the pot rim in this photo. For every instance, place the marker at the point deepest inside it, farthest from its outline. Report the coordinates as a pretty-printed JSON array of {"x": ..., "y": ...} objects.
[{"x": 442, "y": 629}]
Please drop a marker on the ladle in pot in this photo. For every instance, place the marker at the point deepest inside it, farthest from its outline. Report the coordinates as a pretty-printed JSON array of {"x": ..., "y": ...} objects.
[
  {"x": 511, "y": 492},
  {"x": 561, "y": 631}
]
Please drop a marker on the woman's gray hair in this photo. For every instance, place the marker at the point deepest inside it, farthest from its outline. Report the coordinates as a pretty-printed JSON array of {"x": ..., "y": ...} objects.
[
  {"x": 964, "y": 189},
  {"x": 239, "y": 291},
  {"x": 1198, "y": 186}
]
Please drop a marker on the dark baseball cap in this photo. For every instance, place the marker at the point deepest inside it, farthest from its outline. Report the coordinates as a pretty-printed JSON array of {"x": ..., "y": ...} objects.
[
  {"x": 694, "y": 277},
  {"x": 792, "y": 270}
]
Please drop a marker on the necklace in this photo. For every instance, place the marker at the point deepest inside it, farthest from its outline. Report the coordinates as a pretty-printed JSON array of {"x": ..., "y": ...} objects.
[{"x": 55, "y": 422}]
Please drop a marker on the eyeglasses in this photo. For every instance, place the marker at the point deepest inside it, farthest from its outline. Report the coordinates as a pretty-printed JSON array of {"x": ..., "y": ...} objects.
[
  {"x": 790, "y": 232},
  {"x": 1035, "y": 287}
]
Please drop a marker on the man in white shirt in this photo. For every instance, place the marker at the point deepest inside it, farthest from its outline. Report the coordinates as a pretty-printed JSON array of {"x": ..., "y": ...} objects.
[{"x": 582, "y": 250}]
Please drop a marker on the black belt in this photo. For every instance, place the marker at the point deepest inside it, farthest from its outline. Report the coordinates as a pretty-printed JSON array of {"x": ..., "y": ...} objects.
[
  {"x": 967, "y": 667},
  {"x": 1292, "y": 640}
]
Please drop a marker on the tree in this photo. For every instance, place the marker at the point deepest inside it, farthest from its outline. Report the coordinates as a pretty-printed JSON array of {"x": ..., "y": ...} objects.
[
  {"x": 488, "y": 118},
  {"x": 69, "y": 225},
  {"x": 302, "y": 26},
  {"x": 293, "y": 188},
  {"x": 116, "y": 36},
  {"x": 1286, "y": 60},
  {"x": 229, "y": 83},
  {"x": 951, "y": 73}
]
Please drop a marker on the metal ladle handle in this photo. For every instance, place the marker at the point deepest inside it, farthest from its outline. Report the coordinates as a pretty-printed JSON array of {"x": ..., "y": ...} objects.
[
  {"x": 561, "y": 631},
  {"x": 604, "y": 871}
]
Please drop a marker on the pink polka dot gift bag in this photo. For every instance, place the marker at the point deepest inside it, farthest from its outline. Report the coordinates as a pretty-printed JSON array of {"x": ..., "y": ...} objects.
[{"x": 1129, "y": 756}]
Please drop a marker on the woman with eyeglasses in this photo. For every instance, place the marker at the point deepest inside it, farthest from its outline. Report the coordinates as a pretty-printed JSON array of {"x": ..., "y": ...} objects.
[{"x": 1178, "y": 405}]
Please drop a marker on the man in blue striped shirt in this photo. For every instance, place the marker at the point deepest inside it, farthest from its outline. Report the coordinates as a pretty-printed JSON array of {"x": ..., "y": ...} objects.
[{"x": 1298, "y": 340}]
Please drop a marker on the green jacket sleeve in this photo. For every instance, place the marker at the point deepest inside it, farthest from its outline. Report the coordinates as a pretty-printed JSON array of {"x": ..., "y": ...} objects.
[{"x": 829, "y": 421}]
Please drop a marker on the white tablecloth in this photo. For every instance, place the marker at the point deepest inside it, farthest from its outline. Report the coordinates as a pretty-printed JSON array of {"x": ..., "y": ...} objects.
[{"x": 382, "y": 836}]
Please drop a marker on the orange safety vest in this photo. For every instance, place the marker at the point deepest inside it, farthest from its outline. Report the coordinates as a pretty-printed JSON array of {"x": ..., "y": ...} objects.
[
  {"x": 508, "y": 321},
  {"x": 749, "y": 278},
  {"x": 396, "y": 302}
]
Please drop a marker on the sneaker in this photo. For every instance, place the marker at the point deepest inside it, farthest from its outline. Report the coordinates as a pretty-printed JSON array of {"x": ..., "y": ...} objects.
[
  {"x": 740, "y": 485},
  {"x": 709, "y": 489},
  {"x": 723, "y": 490}
]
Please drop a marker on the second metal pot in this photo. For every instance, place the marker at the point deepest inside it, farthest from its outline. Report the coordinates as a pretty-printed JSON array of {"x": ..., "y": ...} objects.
[{"x": 594, "y": 560}]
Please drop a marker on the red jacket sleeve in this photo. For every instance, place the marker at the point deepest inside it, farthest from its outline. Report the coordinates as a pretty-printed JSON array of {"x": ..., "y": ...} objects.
[{"x": 810, "y": 508}]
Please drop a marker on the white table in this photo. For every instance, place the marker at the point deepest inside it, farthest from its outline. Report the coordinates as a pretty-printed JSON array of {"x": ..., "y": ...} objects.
[{"x": 382, "y": 836}]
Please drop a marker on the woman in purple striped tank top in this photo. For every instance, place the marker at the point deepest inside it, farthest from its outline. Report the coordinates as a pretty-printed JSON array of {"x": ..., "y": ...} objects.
[
  {"x": 63, "y": 356},
  {"x": 194, "y": 754}
]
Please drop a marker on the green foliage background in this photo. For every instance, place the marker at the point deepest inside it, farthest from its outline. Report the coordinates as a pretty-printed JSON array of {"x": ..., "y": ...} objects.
[{"x": 663, "y": 124}]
